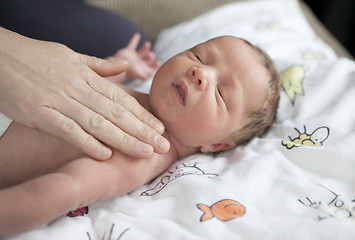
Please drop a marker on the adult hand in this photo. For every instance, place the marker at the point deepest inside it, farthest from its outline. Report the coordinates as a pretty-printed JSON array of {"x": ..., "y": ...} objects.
[{"x": 47, "y": 86}]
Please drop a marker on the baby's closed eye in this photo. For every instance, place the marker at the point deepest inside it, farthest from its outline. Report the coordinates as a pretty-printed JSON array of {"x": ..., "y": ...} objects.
[{"x": 198, "y": 58}]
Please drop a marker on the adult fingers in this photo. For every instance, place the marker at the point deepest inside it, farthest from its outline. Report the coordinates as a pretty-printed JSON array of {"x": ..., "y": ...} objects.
[
  {"x": 118, "y": 95},
  {"x": 57, "y": 124},
  {"x": 135, "y": 120},
  {"x": 103, "y": 129},
  {"x": 124, "y": 111},
  {"x": 105, "y": 67}
]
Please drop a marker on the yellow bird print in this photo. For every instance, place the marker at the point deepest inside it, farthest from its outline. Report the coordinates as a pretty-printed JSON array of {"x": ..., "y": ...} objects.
[
  {"x": 291, "y": 81},
  {"x": 314, "y": 139}
]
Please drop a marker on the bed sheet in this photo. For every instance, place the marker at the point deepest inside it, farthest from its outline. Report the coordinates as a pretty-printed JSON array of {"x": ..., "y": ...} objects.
[{"x": 297, "y": 181}]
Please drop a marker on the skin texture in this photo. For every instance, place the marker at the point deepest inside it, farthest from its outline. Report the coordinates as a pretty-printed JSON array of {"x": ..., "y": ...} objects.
[
  {"x": 215, "y": 88},
  {"x": 223, "y": 81},
  {"x": 47, "y": 86}
]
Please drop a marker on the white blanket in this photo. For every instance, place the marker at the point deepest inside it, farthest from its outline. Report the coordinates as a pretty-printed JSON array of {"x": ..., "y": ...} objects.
[{"x": 296, "y": 182}]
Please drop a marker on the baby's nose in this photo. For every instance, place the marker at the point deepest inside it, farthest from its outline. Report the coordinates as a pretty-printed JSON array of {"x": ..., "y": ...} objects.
[{"x": 198, "y": 76}]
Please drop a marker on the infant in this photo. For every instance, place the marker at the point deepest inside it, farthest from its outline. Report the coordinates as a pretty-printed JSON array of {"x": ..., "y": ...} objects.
[{"x": 212, "y": 97}]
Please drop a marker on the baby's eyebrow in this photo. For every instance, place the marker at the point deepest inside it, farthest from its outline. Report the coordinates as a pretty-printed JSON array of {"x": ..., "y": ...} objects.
[
  {"x": 209, "y": 51},
  {"x": 194, "y": 47}
]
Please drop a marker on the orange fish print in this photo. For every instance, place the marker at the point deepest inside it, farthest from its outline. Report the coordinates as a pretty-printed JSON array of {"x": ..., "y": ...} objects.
[
  {"x": 78, "y": 212},
  {"x": 224, "y": 210}
]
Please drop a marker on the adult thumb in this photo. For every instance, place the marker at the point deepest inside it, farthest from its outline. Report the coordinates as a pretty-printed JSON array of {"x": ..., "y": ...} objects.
[{"x": 105, "y": 67}]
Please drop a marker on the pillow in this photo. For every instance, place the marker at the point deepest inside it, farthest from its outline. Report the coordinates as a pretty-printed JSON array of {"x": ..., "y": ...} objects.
[
  {"x": 277, "y": 26},
  {"x": 154, "y": 15}
]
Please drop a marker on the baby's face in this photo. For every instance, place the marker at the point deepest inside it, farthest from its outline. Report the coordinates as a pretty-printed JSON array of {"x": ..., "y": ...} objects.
[{"x": 203, "y": 94}]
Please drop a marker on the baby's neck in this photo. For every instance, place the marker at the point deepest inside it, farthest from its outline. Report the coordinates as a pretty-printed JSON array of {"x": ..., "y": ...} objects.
[
  {"x": 176, "y": 147},
  {"x": 180, "y": 149}
]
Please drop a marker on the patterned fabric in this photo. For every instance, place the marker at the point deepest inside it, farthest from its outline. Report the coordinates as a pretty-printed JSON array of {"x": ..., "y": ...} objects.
[{"x": 295, "y": 182}]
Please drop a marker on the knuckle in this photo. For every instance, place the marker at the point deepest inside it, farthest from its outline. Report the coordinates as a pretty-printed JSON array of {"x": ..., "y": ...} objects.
[
  {"x": 147, "y": 132},
  {"x": 88, "y": 141},
  {"x": 120, "y": 115},
  {"x": 86, "y": 75},
  {"x": 36, "y": 113},
  {"x": 145, "y": 115},
  {"x": 149, "y": 119},
  {"x": 96, "y": 121},
  {"x": 118, "y": 95},
  {"x": 117, "y": 111},
  {"x": 58, "y": 48},
  {"x": 96, "y": 61},
  {"x": 83, "y": 70},
  {"x": 128, "y": 142},
  {"x": 29, "y": 104},
  {"x": 125, "y": 140},
  {"x": 72, "y": 85},
  {"x": 68, "y": 126}
]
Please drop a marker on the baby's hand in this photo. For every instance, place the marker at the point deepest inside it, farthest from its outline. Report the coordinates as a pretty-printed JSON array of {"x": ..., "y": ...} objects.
[{"x": 142, "y": 62}]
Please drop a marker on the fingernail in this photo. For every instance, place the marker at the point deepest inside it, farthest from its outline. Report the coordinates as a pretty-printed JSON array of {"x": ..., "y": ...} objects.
[
  {"x": 162, "y": 143},
  {"x": 105, "y": 152},
  {"x": 117, "y": 60},
  {"x": 146, "y": 148},
  {"x": 121, "y": 61}
]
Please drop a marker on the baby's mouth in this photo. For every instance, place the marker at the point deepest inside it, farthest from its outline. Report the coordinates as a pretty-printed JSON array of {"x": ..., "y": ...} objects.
[{"x": 180, "y": 93}]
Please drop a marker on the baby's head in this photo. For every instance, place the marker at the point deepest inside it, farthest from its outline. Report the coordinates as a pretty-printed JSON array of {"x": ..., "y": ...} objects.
[{"x": 217, "y": 94}]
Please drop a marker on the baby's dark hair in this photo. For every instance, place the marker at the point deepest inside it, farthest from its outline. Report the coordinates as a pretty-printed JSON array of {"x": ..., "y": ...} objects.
[{"x": 259, "y": 121}]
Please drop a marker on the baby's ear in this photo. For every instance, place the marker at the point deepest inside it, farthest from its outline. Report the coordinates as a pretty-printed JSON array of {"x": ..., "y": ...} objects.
[{"x": 216, "y": 147}]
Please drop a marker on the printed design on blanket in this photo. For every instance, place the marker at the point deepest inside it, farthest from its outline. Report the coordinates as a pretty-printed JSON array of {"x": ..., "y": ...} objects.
[
  {"x": 315, "y": 139},
  {"x": 339, "y": 207},
  {"x": 268, "y": 25},
  {"x": 78, "y": 212},
  {"x": 313, "y": 55},
  {"x": 109, "y": 237},
  {"x": 291, "y": 81},
  {"x": 180, "y": 171},
  {"x": 224, "y": 210}
]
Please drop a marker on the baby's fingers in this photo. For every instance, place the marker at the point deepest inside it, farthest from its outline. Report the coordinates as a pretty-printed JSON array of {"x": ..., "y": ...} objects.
[
  {"x": 148, "y": 56},
  {"x": 145, "y": 51},
  {"x": 144, "y": 73},
  {"x": 134, "y": 41}
]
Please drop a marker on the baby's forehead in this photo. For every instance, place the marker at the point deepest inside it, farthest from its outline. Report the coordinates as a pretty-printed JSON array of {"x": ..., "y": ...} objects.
[
  {"x": 228, "y": 46},
  {"x": 225, "y": 41},
  {"x": 232, "y": 48}
]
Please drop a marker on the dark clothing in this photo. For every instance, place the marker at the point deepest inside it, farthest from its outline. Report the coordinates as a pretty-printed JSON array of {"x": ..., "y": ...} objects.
[{"x": 83, "y": 28}]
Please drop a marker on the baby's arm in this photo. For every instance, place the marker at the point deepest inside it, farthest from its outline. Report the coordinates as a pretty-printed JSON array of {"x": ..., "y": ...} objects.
[
  {"x": 26, "y": 153},
  {"x": 77, "y": 184}
]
